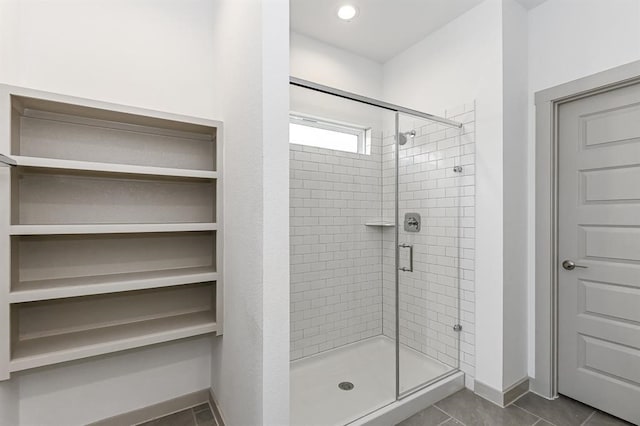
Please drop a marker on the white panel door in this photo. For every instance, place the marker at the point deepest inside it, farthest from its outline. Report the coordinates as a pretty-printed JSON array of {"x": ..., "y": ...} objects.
[{"x": 599, "y": 231}]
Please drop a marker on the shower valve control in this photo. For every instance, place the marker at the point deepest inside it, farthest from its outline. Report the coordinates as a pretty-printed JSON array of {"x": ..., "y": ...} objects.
[
  {"x": 457, "y": 327},
  {"x": 457, "y": 169},
  {"x": 412, "y": 222}
]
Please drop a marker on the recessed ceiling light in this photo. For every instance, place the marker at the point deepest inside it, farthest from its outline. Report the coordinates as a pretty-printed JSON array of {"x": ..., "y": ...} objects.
[{"x": 347, "y": 12}]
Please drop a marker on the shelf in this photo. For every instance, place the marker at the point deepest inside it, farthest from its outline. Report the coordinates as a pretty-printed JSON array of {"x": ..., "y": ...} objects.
[
  {"x": 381, "y": 223},
  {"x": 53, "y": 163},
  {"x": 124, "y": 228},
  {"x": 30, "y": 291},
  {"x": 55, "y": 349},
  {"x": 111, "y": 241}
]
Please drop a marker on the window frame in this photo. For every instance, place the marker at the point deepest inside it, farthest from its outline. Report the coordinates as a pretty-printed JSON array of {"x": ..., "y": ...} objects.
[{"x": 362, "y": 133}]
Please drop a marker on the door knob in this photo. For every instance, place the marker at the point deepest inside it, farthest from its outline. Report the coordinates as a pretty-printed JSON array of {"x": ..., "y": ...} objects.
[{"x": 570, "y": 265}]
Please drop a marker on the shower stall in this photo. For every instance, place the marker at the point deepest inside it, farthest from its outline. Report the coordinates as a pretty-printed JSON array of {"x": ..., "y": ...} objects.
[{"x": 381, "y": 255}]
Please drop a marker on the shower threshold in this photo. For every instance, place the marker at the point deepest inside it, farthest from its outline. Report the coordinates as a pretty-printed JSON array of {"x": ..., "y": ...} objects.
[{"x": 369, "y": 365}]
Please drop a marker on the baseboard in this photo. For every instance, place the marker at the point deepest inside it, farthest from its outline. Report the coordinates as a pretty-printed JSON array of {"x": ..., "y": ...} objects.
[
  {"x": 157, "y": 410},
  {"x": 215, "y": 407},
  {"x": 469, "y": 382},
  {"x": 502, "y": 398}
]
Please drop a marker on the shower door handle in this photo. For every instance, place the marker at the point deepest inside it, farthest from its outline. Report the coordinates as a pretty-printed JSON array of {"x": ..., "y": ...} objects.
[{"x": 410, "y": 247}]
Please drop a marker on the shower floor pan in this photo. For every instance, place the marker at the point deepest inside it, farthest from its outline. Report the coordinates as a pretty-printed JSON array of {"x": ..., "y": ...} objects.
[{"x": 317, "y": 400}]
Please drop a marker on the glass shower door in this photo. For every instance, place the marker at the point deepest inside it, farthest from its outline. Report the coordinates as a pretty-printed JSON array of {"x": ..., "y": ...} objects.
[
  {"x": 343, "y": 364},
  {"x": 427, "y": 251}
]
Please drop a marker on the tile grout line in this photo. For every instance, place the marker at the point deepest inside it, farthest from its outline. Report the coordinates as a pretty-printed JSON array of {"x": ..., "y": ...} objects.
[
  {"x": 535, "y": 415},
  {"x": 450, "y": 418},
  {"x": 193, "y": 414},
  {"x": 454, "y": 418},
  {"x": 588, "y": 418}
]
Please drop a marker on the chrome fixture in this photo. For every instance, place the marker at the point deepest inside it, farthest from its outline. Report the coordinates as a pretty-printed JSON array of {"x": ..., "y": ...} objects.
[
  {"x": 570, "y": 265},
  {"x": 294, "y": 81},
  {"x": 346, "y": 386},
  {"x": 410, "y": 247},
  {"x": 457, "y": 169},
  {"x": 457, "y": 327},
  {"x": 403, "y": 136},
  {"x": 412, "y": 222}
]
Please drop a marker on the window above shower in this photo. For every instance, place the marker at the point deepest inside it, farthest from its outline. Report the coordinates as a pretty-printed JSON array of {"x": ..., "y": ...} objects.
[{"x": 328, "y": 134}]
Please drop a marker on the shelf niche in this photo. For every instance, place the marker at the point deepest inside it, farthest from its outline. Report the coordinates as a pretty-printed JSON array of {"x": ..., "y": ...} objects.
[
  {"x": 49, "y": 129},
  {"x": 52, "y": 258},
  {"x": 54, "y": 197},
  {"x": 53, "y": 331}
]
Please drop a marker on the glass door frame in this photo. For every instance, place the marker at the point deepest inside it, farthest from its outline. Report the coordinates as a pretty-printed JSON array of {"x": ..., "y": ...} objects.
[
  {"x": 398, "y": 222},
  {"x": 397, "y": 109}
]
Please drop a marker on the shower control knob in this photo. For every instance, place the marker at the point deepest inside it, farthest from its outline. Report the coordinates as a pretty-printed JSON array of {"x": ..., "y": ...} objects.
[{"x": 457, "y": 327}]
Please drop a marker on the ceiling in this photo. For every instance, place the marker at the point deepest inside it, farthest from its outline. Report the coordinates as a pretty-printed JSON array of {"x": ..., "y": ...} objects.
[{"x": 383, "y": 28}]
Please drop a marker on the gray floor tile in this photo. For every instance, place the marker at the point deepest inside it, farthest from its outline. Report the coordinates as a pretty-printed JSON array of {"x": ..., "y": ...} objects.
[
  {"x": 181, "y": 418},
  {"x": 561, "y": 412},
  {"x": 472, "y": 410},
  {"x": 543, "y": 422},
  {"x": 451, "y": 422},
  {"x": 603, "y": 419},
  {"x": 204, "y": 416},
  {"x": 430, "y": 416}
]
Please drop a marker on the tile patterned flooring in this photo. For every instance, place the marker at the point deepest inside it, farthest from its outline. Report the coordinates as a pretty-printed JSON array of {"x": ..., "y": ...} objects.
[
  {"x": 200, "y": 415},
  {"x": 463, "y": 408},
  {"x": 467, "y": 409}
]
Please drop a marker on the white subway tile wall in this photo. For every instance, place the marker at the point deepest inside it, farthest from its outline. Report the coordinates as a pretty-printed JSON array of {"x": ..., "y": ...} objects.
[
  {"x": 343, "y": 272},
  {"x": 439, "y": 293},
  {"x": 336, "y": 292}
]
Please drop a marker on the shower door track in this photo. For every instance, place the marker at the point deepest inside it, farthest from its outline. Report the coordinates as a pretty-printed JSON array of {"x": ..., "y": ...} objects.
[{"x": 294, "y": 81}]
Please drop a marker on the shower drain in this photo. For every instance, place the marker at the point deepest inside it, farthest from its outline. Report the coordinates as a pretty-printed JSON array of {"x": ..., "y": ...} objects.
[{"x": 345, "y": 386}]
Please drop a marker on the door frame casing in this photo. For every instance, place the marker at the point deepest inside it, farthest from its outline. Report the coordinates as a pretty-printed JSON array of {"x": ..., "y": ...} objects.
[{"x": 547, "y": 103}]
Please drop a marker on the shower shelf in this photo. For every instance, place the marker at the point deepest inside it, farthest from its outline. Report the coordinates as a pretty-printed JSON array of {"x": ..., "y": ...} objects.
[
  {"x": 109, "y": 239},
  {"x": 381, "y": 223}
]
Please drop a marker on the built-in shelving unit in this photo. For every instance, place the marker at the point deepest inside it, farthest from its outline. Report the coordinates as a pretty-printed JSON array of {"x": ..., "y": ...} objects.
[{"x": 112, "y": 235}]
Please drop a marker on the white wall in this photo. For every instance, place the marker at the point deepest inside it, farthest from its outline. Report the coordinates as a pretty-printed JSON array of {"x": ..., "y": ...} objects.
[
  {"x": 458, "y": 63},
  {"x": 226, "y": 60},
  {"x": 84, "y": 391},
  {"x": 9, "y": 402},
  {"x": 152, "y": 54},
  {"x": 155, "y": 54},
  {"x": 325, "y": 64},
  {"x": 514, "y": 44},
  {"x": 569, "y": 39},
  {"x": 250, "y": 373}
]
